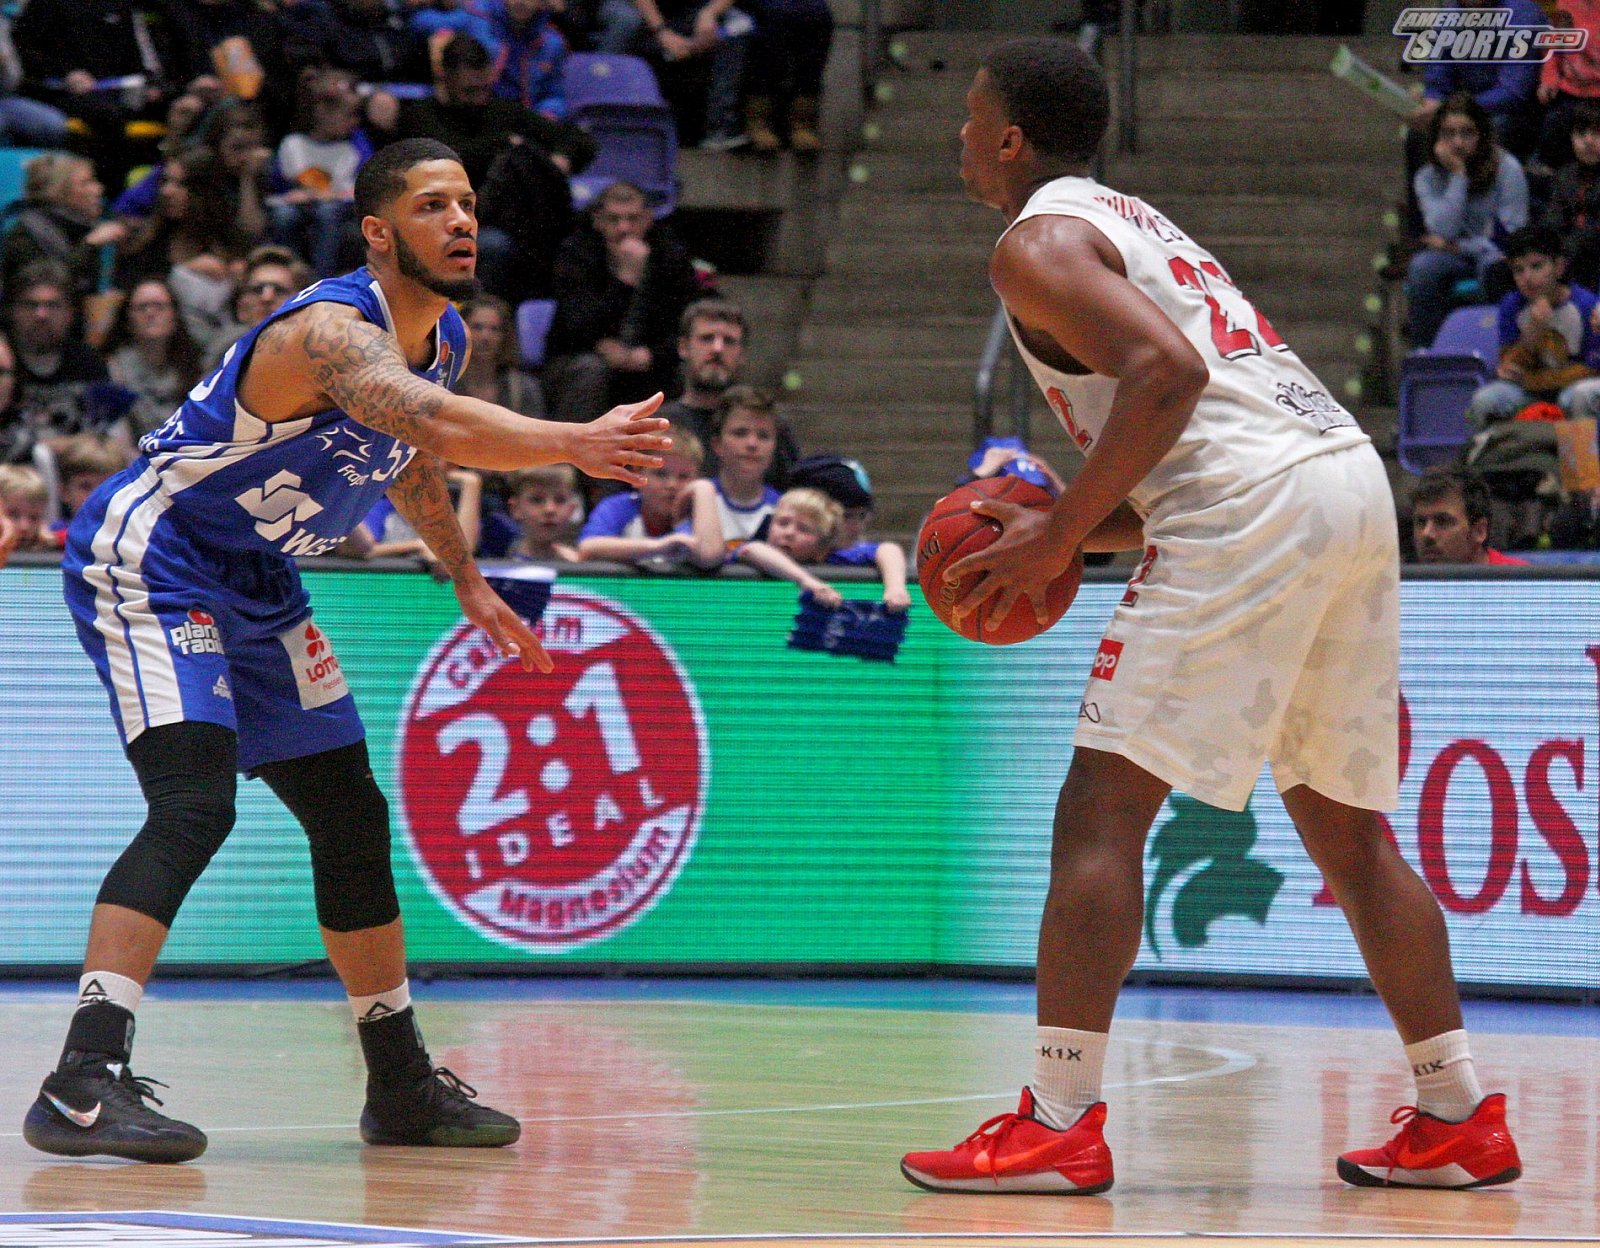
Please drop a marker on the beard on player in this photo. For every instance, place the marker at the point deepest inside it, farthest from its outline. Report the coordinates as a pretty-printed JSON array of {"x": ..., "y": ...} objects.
[{"x": 411, "y": 266}]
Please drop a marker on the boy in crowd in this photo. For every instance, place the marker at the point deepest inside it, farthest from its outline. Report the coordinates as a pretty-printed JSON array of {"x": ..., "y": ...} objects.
[
  {"x": 544, "y": 503},
  {"x": 23, "y": 498},
  {"x": 1573, "y": 213},
  {"x": 1549, "y": 347},
  {"x": 82, "y": 462},
  {"x": 650, "y": 522},
  {"x": 805, "y": 528},
  {"x": 744, "y": 442}
]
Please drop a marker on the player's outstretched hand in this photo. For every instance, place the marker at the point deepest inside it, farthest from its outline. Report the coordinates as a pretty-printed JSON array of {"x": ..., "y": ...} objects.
[
  {"x": 623, "y": 443},
  {"x": 508, "y": 630},
  {"x": 1020, "y": 563}
]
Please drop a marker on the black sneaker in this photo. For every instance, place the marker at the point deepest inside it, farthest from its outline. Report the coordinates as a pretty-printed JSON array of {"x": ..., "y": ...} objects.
[
  {"x": 99, "y": 1110},
  {"x": 436, "y": 1109}
]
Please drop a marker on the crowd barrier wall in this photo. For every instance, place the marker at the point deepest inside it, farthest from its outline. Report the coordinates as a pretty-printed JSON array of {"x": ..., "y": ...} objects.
[{"x": 687, "y": 791}]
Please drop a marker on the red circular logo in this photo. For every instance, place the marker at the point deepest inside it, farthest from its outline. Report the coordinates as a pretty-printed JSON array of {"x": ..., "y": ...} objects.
[{"x": 551, "y": 811}]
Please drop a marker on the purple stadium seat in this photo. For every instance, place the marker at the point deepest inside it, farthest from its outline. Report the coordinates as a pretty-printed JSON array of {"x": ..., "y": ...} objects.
[
  {"x": 594, "y": 78},
  {"x": 1434, "y": 393},
  {"x": 534, "y": 317},
  {"x": 1473, "y": 330}
]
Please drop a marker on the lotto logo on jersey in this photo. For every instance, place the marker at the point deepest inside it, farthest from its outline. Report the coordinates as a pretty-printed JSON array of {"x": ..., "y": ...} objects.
[
  {"x": 318, "y": 678},
  {"x": 1106, "y": 660},
  {"x": 553, "y": 811},
  {"x": 1481, "y": 36},
  {"x": 197, "y": 634}
]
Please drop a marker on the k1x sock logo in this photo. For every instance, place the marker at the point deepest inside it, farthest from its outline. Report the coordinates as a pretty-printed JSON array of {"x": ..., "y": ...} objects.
[
  {"x": 1228, "y": 884},
  {"x": 1473, "y": 36}
]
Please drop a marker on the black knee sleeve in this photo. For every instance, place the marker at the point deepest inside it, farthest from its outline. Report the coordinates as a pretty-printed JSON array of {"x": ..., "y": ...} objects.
[
  {"x": 187, "y": 773},
  {"x": 346, "y": 819}
]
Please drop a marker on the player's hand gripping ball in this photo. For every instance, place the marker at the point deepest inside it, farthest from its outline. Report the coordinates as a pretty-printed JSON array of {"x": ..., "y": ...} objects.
[{"x": 953, "y": 530}]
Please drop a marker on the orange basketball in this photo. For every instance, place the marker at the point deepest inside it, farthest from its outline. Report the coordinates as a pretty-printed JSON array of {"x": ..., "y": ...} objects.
[{"x": 952, "y": 531}]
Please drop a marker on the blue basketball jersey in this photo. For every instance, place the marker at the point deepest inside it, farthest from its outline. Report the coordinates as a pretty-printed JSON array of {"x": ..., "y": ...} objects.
[{"x": 298, "y": 487}]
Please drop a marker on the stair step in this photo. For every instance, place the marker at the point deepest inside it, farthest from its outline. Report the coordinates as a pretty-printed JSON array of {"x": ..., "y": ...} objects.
[
  {"x": 1232, "y": 54},
  {"x": 843, "y": 342},
  {"x": 1271, "y": 140},
  {"x": 886, "y": 380},
  {"x": 842, "y": 298},
  {"x": 1155, "y": 173},
  {"x": 1275, "y": 93}
]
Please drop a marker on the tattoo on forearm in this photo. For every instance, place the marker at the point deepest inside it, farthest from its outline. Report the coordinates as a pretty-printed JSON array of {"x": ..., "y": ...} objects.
[
  {"x": 421, "y": 495},
  {"x": 360, "y": 367}
]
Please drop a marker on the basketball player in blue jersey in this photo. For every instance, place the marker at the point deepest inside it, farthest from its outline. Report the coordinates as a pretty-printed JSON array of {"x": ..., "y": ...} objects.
[{"x": 181, "y": 578}]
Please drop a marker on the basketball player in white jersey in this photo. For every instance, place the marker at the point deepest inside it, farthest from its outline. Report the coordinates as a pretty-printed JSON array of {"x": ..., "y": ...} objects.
[{"x": 1261, "y": 625}]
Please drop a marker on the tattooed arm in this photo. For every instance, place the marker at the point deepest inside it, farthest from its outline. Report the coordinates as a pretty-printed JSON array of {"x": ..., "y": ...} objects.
[
  {"x": 421, "y": 495},
  {"x": 327, "y": 355}
]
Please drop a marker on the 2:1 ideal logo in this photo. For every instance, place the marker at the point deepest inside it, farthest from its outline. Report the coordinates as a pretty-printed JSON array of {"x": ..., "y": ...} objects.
[{"x": 551, "y": 811}]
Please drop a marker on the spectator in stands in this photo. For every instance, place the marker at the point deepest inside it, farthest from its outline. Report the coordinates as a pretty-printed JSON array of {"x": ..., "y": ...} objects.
[
  {"x": 271, "y": 275},
  {"x": 1008, "y": 456},
  {"x": 544, "y": 504},
  {"x": 69, "y": 47},
  {"x": 1450, "y": 520},
  {"x": 1568, "y": 78},
  {"x": 16, "y": 437},
  {"x": 807, "y": 528},
  {"x": 531, "y": 54},
  {"x": 623, "y": 283},
  {"x": 318, "y": 162},
  {"x": 370, "y": 38},
  {"x": 463, "y": 113},
  {"x": 1549, "y": 348},
  {"x": 744, "y": 442},
  {"x": 237, "y": 42},
  {"x": 62, "y": 203},
  {"x": 494, "y": 373},
  {"x": 55, "y": 366},
  {"x": 788, "y": 53},
  {"x": 24, "y": 122},
  {"x": 1505, "y": 92},
  {"x": 80, "y": 464},
  {"x": 150, "y": 352},
  {"x": 712, "y": 336},
  {"x": 1573, "y": 212},
  {"x": 672, "y": 518},
  {"x": 846, "y": 482},
  {"x": 23, "y": 499},
  {"x": 698, "y": 48},
  {"x": 1470, "y": 190}
]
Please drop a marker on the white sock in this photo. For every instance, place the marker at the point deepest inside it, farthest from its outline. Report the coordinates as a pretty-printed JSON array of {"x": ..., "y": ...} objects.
[
  {"x": 96, "y": 987},
  {"x": 1066, "y": 1074},
  {"x": 1447, "y": 1083},
  {"x": 381, "y": 1004}
]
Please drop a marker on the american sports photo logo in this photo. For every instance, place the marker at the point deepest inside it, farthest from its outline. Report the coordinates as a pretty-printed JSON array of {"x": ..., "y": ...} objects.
[{"x": 1480, "y": 37}]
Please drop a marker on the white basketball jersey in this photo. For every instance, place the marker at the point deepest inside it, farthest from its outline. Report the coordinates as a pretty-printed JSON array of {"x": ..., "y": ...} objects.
[{"x": 1262, "y": 410}]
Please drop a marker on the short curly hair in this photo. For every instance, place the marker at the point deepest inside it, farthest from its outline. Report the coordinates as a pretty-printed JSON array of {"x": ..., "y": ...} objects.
[{"x": 1054, "y": 91}]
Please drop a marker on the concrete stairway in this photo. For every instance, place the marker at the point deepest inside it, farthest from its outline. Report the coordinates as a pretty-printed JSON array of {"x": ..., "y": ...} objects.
[{"x": 1247, "y": 143}]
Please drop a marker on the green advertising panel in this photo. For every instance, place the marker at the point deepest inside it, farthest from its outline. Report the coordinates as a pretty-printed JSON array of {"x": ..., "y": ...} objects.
[{"x": 687, "y": 788}]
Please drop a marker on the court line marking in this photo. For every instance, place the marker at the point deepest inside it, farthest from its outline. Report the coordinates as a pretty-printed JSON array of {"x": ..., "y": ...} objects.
[{"x": 1233, "y": 1061}]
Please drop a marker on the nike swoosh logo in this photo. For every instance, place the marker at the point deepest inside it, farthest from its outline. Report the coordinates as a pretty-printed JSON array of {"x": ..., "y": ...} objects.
[
  {"x": 1405, "y": 1159},
  {"x": 84, "y": 1118},
  {"x": 987, "y": 1163}
]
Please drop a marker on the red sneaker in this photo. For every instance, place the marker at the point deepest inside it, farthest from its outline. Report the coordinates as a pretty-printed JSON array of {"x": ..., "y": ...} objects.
[
  {"x": 1430, "y": 1152},
  {"x": 1018, "y": 1153}
]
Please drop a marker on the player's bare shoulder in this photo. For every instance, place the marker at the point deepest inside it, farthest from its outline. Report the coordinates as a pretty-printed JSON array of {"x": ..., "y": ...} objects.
[{"x": 328, "y": 354}]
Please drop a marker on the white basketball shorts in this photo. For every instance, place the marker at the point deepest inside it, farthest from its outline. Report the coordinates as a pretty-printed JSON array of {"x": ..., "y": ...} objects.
[{"x": 1265, "y": 627}]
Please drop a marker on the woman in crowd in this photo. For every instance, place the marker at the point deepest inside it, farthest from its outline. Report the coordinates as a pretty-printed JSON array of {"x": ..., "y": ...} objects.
[
  {"x": 60, "y": 220},
  {"x": 1472, "y": 192},
  {"x": 150, "y": 352}
]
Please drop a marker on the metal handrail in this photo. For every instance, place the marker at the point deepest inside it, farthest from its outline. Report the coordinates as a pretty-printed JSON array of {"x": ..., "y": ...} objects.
[{"x": 872, "y": 49}]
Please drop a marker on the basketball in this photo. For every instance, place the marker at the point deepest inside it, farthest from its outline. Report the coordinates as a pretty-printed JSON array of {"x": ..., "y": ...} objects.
[{"x": 952, "y": 531}]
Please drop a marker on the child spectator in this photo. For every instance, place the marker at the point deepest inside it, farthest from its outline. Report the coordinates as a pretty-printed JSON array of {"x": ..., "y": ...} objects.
[
  {"x": 650, "y": 521},
  {"x": 319, "y": 163},
  {"x": 23, "y": 499},
  {"x": 1548, "y": 341},
  {"x": 1573, "y": 212},
  {"x": 846, "y": 482},
  {"x": 1469, "y": 191},
  {"x": 544, "y": 503},
  {"x": 79, "y": 464},
  {"x": 744, "y": 443},
  {"x": 807, "y": 527}
]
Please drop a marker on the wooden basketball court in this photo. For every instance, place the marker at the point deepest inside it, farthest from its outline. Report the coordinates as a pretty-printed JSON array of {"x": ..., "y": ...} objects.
[{"x": 710, "y": 1120}]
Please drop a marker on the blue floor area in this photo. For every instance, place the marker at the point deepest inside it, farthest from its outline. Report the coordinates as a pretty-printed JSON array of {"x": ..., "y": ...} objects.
[{"x": 1176, "y": 1004}]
